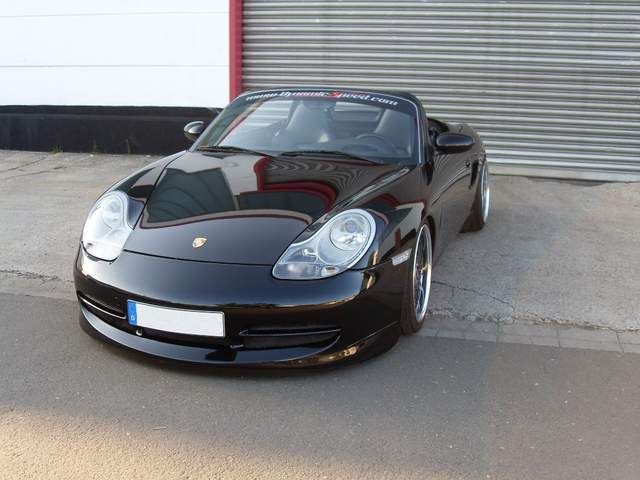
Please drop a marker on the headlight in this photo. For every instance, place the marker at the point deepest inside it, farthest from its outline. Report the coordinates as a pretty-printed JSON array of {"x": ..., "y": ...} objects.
[
  {"x": 106, "y": 228},
  {"x": 337, "y": 246}
]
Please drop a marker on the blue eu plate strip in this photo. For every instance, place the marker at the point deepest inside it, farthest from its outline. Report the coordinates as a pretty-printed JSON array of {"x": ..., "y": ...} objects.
[{"x": 131, "y": 310}]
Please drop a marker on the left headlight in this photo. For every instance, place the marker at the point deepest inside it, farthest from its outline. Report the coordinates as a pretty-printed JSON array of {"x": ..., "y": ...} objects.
[
  {"x": 106, "y": 229},
  {"x": 334, "y": 248}
]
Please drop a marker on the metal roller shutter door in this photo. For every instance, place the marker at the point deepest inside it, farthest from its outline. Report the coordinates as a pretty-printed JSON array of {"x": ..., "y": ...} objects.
[{"x": 552, "y": 86}]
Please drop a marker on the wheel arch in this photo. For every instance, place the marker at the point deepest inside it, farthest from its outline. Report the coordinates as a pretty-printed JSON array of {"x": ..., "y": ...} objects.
[{"x": 432, "y": 231}]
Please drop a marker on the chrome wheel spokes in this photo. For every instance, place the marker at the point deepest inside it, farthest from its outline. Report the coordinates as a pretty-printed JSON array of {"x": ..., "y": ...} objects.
[
  {"x": 422, "y": 273},
  {"x": 485, "y": 192}
]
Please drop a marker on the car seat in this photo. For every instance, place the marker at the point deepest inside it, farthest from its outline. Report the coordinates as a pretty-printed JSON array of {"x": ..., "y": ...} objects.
[
  {"x": 306, "y": 127},
  {"x": 398, "y": 128}
]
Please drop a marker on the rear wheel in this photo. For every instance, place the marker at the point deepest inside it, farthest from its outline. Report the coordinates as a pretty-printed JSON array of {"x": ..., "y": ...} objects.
[
  {"x": 416, "y": 295},
  {"x": 480, "y": 209}
]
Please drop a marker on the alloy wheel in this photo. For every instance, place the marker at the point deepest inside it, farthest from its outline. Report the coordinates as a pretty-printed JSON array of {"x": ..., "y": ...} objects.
[
  {"x": 485, "y": 192},
  {"x": 422, "y": 266}
]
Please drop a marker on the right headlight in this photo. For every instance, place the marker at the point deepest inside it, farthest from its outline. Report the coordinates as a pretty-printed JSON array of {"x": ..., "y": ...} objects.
[
  {"x": 337, "y": 246},
  {"x": 106, "y": 229}
]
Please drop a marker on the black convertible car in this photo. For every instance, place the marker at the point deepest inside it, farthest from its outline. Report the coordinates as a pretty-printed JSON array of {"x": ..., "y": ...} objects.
[{"x": 300, "y": 229}]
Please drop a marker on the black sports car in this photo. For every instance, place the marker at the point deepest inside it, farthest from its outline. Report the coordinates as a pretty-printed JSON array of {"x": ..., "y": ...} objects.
[{"x": 298, "y": 230}]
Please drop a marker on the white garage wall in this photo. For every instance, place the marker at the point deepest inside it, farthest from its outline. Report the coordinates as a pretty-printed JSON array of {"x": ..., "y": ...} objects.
[{"x": 138, "y": 53}]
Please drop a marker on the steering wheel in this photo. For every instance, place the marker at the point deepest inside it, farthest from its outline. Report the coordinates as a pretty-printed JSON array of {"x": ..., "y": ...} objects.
[{"x": 382, "y": 144}]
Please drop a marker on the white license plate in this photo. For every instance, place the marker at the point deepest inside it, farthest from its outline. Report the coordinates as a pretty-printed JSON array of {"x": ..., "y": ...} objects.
[{"x": 174, "y": 320}]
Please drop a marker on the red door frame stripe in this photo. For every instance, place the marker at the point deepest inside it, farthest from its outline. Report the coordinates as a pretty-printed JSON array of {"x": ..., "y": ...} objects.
[{"x": 235, "y": 48}]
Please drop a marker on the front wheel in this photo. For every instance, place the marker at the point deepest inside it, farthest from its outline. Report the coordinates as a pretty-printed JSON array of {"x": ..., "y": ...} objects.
[
  {"x": 416, "y": 295},
  {"x": 480, "y": 209}
]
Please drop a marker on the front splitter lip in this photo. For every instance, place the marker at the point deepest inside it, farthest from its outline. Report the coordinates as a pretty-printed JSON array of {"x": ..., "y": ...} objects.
[{"x": 280, "y": 357}]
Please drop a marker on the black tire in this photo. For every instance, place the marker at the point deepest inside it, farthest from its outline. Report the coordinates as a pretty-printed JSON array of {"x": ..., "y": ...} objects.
[
  {"x": 413, "y": 315},
  {"x": 480, "y": 208}
]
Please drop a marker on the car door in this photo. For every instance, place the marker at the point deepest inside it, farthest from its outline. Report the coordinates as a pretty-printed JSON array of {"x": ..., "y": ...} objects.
[
  {"x": 461, "y": 198},
  {"x": 452, "y": 178}
]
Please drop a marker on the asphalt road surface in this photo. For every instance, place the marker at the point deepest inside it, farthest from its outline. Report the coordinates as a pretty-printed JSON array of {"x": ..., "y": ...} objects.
[{"x": 73, "y": 407}]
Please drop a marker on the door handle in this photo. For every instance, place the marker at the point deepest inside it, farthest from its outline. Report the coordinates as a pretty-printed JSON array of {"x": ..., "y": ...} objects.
[{"x": 467, "y": 163}]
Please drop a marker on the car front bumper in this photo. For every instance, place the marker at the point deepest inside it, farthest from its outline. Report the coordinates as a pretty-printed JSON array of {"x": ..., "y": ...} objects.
[{"x": 268, "y": 322}]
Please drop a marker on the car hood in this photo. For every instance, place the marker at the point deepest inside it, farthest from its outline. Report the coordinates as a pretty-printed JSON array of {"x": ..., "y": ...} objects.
[{"x": 245, "y": 208}]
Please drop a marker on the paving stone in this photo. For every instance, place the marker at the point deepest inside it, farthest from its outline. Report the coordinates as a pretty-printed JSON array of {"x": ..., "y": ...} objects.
[
  {"x": 589, "y": 345},
  {"x": 630, "y": 347},
  {"x": 545, "y": 341},
  {"x": 530, "y": 330},
  {"x": 443, "y": 333},
  {"x": 533, "y": 334},
  {"x": 629, "y": 337},
  {"x": 428, "y": 332},
  {"x": 454, "y": 324},
  {"x": 514, "y": 339},
  {"x": 480, "y": 336},
  {"x": 483, "y": 327},
  {"x": 587, "y": 335},
  {"x": 435, "y": 321}
]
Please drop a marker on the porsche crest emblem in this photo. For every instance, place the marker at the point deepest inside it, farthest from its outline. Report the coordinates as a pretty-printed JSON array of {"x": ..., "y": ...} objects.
[{"x": 199, "y": 242}]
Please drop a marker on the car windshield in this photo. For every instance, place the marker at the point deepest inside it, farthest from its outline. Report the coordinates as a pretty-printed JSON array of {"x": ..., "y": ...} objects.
[{"x": 377, "y": 127}]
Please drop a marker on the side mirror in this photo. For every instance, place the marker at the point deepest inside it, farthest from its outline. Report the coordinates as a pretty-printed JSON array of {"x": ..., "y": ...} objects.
[
  {"x": 192, "y": 130},
  {"x": 454, "y": 142}
]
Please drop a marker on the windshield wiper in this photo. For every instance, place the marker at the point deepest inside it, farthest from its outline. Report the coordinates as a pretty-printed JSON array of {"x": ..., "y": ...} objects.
[
  {"x": 333, "y": 153},
  {"x": 229, "y": 149}
]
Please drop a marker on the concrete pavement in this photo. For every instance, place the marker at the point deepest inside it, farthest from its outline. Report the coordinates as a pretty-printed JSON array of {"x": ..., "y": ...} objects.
[
  {"x": 44, "y": 199},
  {"x": 553, "y": 252}
]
